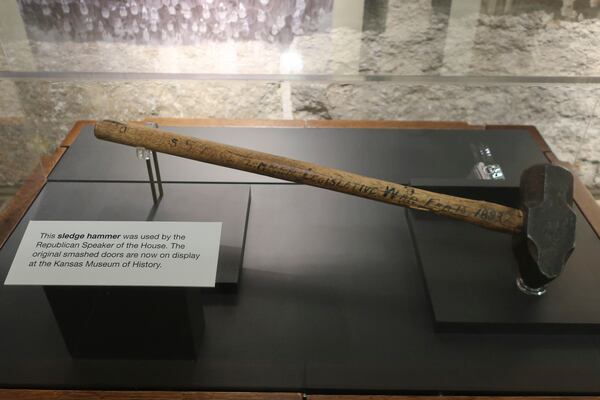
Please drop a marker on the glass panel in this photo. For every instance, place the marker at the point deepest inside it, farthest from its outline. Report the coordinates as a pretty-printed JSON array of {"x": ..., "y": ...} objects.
[
  {"x": 351, "y": 37},
  {"x": 483, "y": 61}
]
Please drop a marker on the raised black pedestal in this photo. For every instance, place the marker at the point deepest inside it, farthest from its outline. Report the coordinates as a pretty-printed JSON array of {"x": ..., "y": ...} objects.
[
  {"x": 469, "y": 274},
  {"x": 128, "y": 322},
  {"x": 109, "y": 201}
]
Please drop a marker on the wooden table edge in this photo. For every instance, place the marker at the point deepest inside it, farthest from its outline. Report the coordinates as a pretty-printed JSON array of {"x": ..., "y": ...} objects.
[
  {"x": 74, "y": 132},
  {"x": 287, "y": 123},
  {"x": 258, "y": 123},
  {"x": 47, "y": 394},
  {"x": 379, "y": 124},
  {"x": 12, "y": 214}
]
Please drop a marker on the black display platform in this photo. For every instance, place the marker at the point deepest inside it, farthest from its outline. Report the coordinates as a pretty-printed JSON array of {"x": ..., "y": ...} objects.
[
  {"x": 331, "y": 297},
  {"x": 470, "y": 275},
  {"x": 128, "y": 322}
]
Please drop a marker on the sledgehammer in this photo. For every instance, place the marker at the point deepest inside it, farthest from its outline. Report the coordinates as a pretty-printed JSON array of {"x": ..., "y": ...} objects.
[{"x": 543, "y": 227}]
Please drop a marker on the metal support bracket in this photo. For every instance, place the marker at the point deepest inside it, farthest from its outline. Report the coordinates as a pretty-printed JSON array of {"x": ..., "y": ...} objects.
[{"x": 155, "y": 184}]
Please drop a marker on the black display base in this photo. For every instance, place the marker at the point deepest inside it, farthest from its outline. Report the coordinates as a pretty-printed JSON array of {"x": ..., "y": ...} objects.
[
  {"x": 228, "y": 204},
  {"x": 470, "y": 276},
  {"x": 128, "y": 322},
  {"x": 109, "y": 201},
  {"x": 140, "y": 322}
]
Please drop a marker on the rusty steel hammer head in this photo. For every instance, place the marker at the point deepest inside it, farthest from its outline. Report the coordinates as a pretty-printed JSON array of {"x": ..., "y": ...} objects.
[{"x": 548, "y": 235}]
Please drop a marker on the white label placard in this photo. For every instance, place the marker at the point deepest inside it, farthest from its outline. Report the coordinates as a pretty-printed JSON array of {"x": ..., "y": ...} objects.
[{"x": 117, "y": 253}]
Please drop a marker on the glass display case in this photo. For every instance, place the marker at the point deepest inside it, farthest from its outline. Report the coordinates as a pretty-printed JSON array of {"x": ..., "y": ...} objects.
[
  {"x": 327, "y": 293},
  {"x": 479, "y": 61}
]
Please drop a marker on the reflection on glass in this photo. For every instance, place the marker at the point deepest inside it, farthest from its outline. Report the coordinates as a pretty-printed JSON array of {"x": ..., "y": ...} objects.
[
  {"x": 173, "y": 21},
  {"x": 291, "y": 62}
]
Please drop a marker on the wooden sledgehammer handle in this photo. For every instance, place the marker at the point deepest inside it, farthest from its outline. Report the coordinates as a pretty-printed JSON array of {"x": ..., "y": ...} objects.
[{"x": 489, "y": 215}]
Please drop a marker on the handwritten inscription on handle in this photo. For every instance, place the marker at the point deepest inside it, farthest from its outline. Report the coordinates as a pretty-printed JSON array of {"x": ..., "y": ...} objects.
[{"x": 489, "y": 215}]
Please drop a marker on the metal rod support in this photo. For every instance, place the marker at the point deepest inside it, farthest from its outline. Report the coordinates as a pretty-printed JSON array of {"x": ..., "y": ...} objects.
[
  {"x": 151, "y": 180},
  {"x": 158, "y": 178}
]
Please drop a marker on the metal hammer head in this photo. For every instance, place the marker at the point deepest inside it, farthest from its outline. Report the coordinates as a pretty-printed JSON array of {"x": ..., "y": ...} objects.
[{"x": 548, "y": 235}]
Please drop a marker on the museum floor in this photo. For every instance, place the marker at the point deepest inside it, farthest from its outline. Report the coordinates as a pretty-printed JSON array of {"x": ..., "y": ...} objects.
[{"x": 479, "y": 61}]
